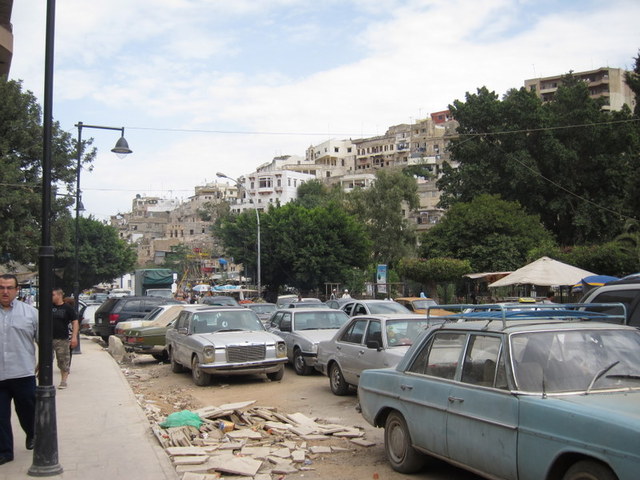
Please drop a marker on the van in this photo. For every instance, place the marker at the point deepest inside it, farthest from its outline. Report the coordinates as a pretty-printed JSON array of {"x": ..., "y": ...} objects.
[{"x": 625, "y": 291}]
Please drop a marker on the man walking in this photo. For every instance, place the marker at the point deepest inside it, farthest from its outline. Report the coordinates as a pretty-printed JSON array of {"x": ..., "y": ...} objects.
[
  {"x": 18, "y": 334},
  {"x": 63, "y": 315}
]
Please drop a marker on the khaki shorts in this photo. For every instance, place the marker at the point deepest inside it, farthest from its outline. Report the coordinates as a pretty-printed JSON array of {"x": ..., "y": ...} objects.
[{"x": 63, "y": 353}]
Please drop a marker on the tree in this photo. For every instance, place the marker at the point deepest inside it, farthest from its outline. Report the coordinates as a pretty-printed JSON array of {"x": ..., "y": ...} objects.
[
  {"x": 102, "y": 255},
  {"x": 20, "y": 175},
  {"x": 568, "y": 160},
  {"x": 491, "y": 233},
  {"x": 381, "y": 209},
  {"x": 633, "y": 80},
  {"x": 300, "y": 247},
  {"x": 429, "y": 272}
]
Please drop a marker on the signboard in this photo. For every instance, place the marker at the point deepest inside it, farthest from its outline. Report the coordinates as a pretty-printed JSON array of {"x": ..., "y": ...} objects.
[{"x": 381, "y": 278}]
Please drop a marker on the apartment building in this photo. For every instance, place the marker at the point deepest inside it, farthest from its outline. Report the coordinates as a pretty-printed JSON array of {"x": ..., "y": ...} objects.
[
  {"x": 605, "y": 82},
  {"x": 332, "y": 158},
  {"x": 6, "y": 36}
]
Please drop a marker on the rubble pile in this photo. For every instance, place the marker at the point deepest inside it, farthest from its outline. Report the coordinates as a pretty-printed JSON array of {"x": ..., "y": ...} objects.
[{"x": 253, "y": 442}]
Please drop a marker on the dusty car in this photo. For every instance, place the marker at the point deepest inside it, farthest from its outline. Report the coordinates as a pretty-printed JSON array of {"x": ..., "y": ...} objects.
[
  {"x": 264, "y": 310},
  {"x": 302, "y": 329},
  {"x": 369, "y": 307},
  {"x": 158, "y": 313},
  {"x": 416, "y": 304},
  {"x": 87, "y": 318},
  {"x": 523, "y": 396},
  {"x": 368, "y": 341},
  {"x": 223, "y": 300},
  {"x": 224, "y": 341}
]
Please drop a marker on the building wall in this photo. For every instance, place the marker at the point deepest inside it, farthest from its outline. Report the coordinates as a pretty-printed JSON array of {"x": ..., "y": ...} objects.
[{"x": 6, "y": 36}]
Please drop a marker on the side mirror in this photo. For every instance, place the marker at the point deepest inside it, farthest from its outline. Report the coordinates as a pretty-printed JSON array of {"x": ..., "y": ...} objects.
[
  {"x": 183, "y": 331},
  {"x": 374, "y": 344}
]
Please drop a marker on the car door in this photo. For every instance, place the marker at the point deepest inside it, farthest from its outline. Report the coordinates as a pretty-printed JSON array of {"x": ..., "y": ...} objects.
[
  {"x": 283, "y": 330},
  {"x": 364, "y": 357},
  {"x": 482, "y": 415},
  {"x": 348, "y": 349},
  {"x": 179, "y": 340},
  {"x": 425, "y": 389}
]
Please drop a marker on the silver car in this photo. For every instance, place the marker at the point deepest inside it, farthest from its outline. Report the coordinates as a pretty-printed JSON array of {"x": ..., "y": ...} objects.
[
  {"x": 302, "y": 329},
  {"x": 224, "y": 341},
  {"x": 367, "y": 341},
  {"x": 373, "y": 307}
]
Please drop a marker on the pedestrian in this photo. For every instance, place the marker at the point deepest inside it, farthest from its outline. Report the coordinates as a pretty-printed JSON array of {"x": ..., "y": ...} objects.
[
  {"x": 18, "y": 334},
  {"x": 333, "y": 294},
  {"x": 63, "y": 316},
  {"x": 345, "y": 294}
]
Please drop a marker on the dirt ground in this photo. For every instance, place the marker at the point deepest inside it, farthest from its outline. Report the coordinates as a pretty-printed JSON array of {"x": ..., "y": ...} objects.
[{"x": 154, "y": 383}]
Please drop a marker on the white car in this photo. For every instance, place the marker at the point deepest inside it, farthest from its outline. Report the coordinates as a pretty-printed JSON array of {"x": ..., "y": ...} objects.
[
  {"x": 303, "y": 329},
  {"x": 224, "y": 341}
]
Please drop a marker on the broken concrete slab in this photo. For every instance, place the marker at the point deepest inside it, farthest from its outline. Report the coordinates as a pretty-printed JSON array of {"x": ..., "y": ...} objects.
[{"x": 362, "y": 442}]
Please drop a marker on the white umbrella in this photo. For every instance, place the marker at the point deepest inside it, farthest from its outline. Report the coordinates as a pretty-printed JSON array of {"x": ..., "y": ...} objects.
[
  {"x": 544, "y": 272},
  {"x": 201, "y": 288}
]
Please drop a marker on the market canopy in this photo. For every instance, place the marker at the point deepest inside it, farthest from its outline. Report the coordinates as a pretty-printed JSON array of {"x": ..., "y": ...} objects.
[{"x": 545, "y": 272}]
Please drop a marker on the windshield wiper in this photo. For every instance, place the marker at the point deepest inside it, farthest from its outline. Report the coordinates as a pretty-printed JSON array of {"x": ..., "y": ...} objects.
[
  {"x": 625, "y": 375},
  {"x": 230, "y": 330},
  {"x": 600, "y": 374}
]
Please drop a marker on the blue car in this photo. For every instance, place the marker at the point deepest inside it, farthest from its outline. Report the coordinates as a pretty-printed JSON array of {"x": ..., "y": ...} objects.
[{"x": 511, "y": 396}]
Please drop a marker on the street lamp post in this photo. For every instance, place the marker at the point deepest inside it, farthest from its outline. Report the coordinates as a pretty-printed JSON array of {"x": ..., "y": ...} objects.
[
  {"x": 258, "y": 263},
  {"x": 121, "y": 149}
]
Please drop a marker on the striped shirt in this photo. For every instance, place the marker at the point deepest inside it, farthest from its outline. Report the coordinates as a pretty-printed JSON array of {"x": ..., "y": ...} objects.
[{"x": 18, "y": 332}]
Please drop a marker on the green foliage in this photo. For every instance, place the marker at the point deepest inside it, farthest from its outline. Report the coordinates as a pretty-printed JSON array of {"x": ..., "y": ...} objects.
[
  {"x": 567, "y": 161},
  {"x": 633, "y": 80},
  {"x": 421, "y": 171},
  {"x": 300, "y": 247},
  {"x": 102, "y": 255},
  {"x": 605, "y": 259},
  {"x": 380, "y": 208},
  {"x": 177, "y": 259},
  {"x": 492, "y": 234},
  {"x": 21, "y": 154},
  {"x": 433, "y": 270}
]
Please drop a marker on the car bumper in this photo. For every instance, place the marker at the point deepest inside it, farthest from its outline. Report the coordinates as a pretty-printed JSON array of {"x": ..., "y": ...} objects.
[
  {"x": 150, "y": 349},
  {"x": 270, "y": 366}
]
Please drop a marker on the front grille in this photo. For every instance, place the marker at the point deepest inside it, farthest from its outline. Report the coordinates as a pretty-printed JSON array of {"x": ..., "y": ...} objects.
[{"x": 245, "y": 353}]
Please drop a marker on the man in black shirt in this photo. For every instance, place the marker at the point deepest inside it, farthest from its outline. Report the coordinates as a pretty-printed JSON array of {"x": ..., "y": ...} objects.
[{"x": 63, "y": 315}]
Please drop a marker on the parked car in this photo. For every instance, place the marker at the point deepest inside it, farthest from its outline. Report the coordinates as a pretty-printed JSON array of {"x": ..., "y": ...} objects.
[
  {"x": 302, "y": 329},
  {"x": 337, "y": 303},
  {"x": 115, "y": 310},
  {"x": 221, "y": 300},
  {"x": 161, "y": 312},
  {"x": 525, "y": 396},
  {"x": 87, "y": 314},
  {"x": 151, "y": 338},
  {"x": 369, "y": 341},
  {"x": 416, "y": 304},
  {"x": 625, "y": 291},
  {"x": 285, "y": 300},
  {"x": 263, "y": 310},
  {"x": 307, "y": 304},
  {"x": 369, "y": 307},
  {"x": 119, "y": 292},
  {"x": 224, "y": 341},
  {"x": 98, "y": 297},
  {"x": 159, "y": 292}
]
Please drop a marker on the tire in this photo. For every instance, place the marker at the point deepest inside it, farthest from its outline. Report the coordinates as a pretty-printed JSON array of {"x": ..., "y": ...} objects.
[
  {"x": 275, "y": 376},
  {"x": 397, "y": 445},
  {"x": 336, "y": 380},
  {"x": 199, "y": 377},
  {"x": 175, "y": 366},
  {"x": 105, "y": 338},
  {"x": 589, "y": 470},
  {"x": 299, "y": 364},
  {"x": 161, "y": 357}
]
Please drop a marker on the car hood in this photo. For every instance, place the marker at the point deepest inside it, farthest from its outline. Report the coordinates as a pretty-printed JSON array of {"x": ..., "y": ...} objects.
[
  {"x": 245, "y": 336},
  {"x": 610, "y": 405},
  {"x": 316, "y": 336}
]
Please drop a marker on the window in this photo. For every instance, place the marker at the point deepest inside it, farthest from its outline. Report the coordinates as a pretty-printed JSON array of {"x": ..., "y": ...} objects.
[
  {"x": 374, "y": 332},
  {"x": 440, "y": 356},
  {"x": 265, "y": 182},
  {"x": 355, "y": 332},
  {"x": 481, "y": 360},
  {"x": 336, "y": 149}
]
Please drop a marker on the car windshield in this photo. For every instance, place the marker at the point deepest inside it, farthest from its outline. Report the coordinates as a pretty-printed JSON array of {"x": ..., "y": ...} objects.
[
  {"x": 320, "y": 320},
  {"x": 238, "y": 320},
  {"x": 387, "y": 307},
  {"x": 263, "y": 308},
  {"x": 576, "y": 360},
  {"x": 404, "y": 332}
]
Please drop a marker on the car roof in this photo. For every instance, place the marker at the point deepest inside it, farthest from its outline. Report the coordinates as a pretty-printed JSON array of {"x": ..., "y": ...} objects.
[
  {"x": 411, "y": 299},
  {"x": 516, "y": 326},
  {"x": 391, "y": 316},
  {"x": 297, "y": 311}
]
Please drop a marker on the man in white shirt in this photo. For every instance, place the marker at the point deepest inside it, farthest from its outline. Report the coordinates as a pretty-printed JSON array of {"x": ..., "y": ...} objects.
[{"x": 18, "y": 334}]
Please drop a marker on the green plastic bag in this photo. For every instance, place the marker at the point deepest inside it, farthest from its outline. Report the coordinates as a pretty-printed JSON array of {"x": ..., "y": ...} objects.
[{"x": 180, "y": 419}]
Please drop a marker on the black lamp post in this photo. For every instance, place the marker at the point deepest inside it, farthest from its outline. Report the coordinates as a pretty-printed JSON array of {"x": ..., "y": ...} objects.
[
  {"x": 45, "y": 454},
  {"x": 258, "y": 263},
  {"x": 121, "y": 149}
]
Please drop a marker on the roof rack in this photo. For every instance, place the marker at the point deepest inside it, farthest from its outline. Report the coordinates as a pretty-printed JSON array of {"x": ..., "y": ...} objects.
[{"x": 532, "y": 311}]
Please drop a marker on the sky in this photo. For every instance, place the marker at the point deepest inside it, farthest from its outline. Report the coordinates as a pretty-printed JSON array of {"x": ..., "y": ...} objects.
[{"x": 206, "y": 86}]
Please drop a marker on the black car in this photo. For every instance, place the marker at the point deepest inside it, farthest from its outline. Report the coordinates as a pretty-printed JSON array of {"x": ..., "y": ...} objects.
[{"x": 116, "y": 310}]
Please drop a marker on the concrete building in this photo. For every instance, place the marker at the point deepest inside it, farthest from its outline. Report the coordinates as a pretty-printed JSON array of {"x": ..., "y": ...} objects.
[
  {"x": 6, "y": 36},
  {"x": 332, "y": 158},
  {"x": 602, "y": 82}
]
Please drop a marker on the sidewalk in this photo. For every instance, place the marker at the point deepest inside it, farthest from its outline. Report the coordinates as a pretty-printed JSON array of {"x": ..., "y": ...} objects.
[{"x": 102, "y": 431}]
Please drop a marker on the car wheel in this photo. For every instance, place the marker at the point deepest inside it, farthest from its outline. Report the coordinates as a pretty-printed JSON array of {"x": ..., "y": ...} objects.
[
  {"x": 275, "y": 376},
  {"x": 161, "y": 357},
  {"x": 299, "y": 364},
  {"x": 105, "y": 338},
  {"x": 336, "y": 381},
  {"x": 589, "y": 470},
  {"x": 397, "y": 444},
  {"x": 175, "y": 366},
  {"x": 199, "y": 377}
]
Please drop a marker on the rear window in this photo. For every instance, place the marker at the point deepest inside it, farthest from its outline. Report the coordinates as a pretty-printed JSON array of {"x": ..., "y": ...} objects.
[
  {"x": 132, "y": 306},
  {"x": 107, "y": 306}
]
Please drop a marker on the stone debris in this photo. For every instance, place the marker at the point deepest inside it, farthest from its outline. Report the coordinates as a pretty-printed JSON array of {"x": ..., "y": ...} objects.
[{"x": 241, "y": 440}]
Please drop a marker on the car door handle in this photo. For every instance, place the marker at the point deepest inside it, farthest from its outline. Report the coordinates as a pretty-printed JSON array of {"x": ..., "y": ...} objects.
[
  {"x": 406, "y": 387},
  {"x": 338, "y": 347},
  {"x": 360, "y": 352},
  {"x": 456, "y": 399}
]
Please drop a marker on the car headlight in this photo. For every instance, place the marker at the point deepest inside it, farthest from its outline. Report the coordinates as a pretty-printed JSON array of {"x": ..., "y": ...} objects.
[
  {"x": 281, "y": 349},
  {"x": 314, "y": 348},
  {"x": 209, "y": 353}
]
